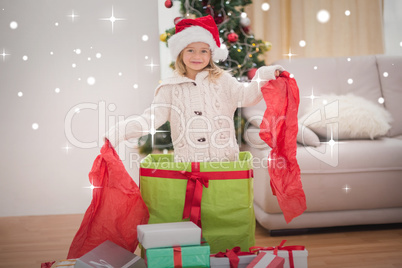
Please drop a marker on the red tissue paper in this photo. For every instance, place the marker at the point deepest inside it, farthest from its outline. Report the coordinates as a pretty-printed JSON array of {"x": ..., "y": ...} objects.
[
  {"x": 279, "y": 130},
  {"x": 116, "y": 208}
]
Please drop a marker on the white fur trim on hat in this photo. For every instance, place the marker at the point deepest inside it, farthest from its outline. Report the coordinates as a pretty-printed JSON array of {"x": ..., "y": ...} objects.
[{"x": 193, "y": 34}]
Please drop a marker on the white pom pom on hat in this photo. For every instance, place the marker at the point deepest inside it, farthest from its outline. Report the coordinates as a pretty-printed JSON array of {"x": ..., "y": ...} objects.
[{"x": 201, "y": 29}]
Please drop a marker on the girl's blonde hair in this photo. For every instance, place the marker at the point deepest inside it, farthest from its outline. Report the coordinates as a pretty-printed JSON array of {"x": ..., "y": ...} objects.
[{"x": 214, "y": 70}]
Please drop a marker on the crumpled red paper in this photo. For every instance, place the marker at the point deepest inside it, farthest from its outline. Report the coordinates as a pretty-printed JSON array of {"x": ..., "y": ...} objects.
[
  {"x": 47, "y": 264},
  {"x": 279, "y": 130},
  {"x": 116, "y": 208}
]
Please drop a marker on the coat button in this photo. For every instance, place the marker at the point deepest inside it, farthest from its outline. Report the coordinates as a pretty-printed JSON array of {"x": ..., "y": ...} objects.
[
  {"x": 194, "y": 83},
  {"x": 201, "y": 139},
  {"x": 198, "y": 112}
]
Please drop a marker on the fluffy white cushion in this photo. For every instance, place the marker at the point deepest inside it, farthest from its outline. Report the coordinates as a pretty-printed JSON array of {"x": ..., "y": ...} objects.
[{"x": 347, "y": 117}]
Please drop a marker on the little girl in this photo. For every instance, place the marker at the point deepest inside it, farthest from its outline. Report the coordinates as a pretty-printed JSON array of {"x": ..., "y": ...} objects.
[{"x": 200, "y": 99}]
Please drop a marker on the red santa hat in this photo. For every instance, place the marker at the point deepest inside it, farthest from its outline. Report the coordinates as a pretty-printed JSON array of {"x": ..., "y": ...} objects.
[{"x": 201, "y": 29}]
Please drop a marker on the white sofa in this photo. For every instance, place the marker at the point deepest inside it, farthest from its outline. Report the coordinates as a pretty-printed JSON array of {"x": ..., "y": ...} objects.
[{"x": 352, "y": 180}]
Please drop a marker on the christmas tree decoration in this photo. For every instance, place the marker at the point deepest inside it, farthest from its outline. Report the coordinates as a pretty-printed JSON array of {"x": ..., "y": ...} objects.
[
  {"x": 168, "y": 3},
  {"x": 163, "y": 37},
  {"x": 233, "y": 37},
  {"x": 177, "y": 19},
  {"x": 251, "y": 73}
]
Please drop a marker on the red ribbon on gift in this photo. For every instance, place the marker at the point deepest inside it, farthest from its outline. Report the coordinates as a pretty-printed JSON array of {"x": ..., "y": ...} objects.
[
  {"x": 289, "y": 249},
  {"x": 196, "y": 181},
  {"x": 233, "y": 256},
  {"x": 195, "y": 185},
  {"x": 177, "y": 257}
]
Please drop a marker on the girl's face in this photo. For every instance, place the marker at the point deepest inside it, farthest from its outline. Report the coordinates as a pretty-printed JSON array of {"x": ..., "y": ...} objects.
[{"x": 196, "y": 57}]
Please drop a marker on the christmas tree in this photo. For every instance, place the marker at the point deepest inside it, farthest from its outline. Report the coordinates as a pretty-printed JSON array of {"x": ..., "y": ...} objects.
[{"x": 245, "y": 51}]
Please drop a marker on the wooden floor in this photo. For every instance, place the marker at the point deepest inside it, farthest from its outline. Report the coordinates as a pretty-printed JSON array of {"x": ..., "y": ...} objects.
[{"x": 26, "y": 242}]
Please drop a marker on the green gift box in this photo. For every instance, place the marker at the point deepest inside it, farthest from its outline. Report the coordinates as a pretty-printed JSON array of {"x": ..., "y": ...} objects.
[
  {"x": 218, "y": 196},
  {"x": 187, "y": 256}
]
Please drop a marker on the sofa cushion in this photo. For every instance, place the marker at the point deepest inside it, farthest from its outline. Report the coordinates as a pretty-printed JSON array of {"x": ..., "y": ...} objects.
[
  {"x": 390, "y": 70},
  {"x": 347, "y": 117},
  {"x": 320, "y": 76}
]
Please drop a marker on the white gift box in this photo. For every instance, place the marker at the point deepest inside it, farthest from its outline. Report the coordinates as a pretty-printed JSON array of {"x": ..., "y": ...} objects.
[
  {"x": 223, "y": 262},
  {"x": 159, "y": 235},
  {"x": 299, "y": 257},
  {"x": 267, "y": 260},
  {"x": 108, "y": 254}
]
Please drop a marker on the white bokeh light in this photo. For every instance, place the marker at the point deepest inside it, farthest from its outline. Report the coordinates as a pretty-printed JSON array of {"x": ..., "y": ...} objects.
[
  {"x": 77, "y": 51},
  {"x": 347, "y": 12},
  {"x": 145, "y": 38},
  {"x": 265, "y": 6},
  {"x": 350, "y": 81},
  {"x": 13, "y": 25},
  {"x": 20, "y": 94},
  {"x": 315, "y": 67},
  {"x": 323, "y": 16},
  {"x": 56, "y": 24},
  {"x": 57, "y": 90},
  {"x": 35, "y": 126},
  {"x": 135, "y": 86},
  {"x": 385, "y": 74},
  {"x": 349, "y": 59},
  {"x": 98, "y": 55},
  {"x": 91, "y": 80},
  {"x": 302, "y": 43},
  {"x": 25, "y": 58},
  {"x": 243, "y": 15},
  {"x": 381, "y": 100}
]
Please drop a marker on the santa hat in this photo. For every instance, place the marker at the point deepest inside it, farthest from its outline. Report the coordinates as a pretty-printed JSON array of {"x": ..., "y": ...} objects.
[{"x": 201, "y": 29}]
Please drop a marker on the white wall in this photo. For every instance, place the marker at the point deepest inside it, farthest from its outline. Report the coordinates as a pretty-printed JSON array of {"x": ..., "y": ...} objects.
[
  {"x": 393, "y": 27},
  {"x": 37, "y": 174}
]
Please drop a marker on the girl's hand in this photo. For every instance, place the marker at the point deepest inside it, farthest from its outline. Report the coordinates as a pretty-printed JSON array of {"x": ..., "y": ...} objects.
[{"x": 278, "y": 73}]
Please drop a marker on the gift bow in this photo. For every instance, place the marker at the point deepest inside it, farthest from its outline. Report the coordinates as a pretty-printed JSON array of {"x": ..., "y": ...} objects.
[
  {"x": 289, "y": 249},
  {"x": 233, "y": 256},
  {"x": 195, "y": 184}
]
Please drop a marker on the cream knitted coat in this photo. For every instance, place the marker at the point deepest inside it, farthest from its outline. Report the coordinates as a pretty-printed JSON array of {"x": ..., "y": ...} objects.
[{"x": 200, "y": 113}]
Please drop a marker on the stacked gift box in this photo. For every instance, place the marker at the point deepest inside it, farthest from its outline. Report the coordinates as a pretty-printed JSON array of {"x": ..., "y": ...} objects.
[
  {"x": 294, "y": 256},
  {"x": 108, "y": 254},
  {"x": 178, "y": 244}
]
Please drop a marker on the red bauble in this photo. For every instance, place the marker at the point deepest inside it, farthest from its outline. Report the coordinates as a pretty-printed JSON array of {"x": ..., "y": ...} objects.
[
  {"x": 251, "y": 73},
  {"x": 218, "y": 18},
  {"x": 246, "y": 29},
  {"x": 177, "y": 19},
  {"x": 233, "y": 37},
  {"x": 168, "y": 3}
]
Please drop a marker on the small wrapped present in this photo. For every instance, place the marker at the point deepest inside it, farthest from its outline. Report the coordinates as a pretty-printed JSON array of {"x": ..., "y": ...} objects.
[
  {"x": 108, "y": 254},
  {"x": 233, "y": 258},
  {"x": 267, "y": 260},
  {"x": 295, "y": 256},
  {"x": 169, "y": 234},
  {"x": 187, "y": 256},
  {"x": 217, "y": 196}
]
